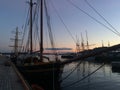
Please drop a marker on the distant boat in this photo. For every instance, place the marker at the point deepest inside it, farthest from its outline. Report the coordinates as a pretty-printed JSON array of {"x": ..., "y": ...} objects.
[
  {"x": 68, "y": 55},
  {"x": 107, "y": 57}
]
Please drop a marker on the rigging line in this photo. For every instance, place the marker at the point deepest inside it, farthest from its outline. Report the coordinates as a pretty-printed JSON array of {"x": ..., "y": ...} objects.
[
  {"x": 71, "y": 71},
  {"x": 47, "y": 35},
  {"x": 49, "y": 27},
  {"x": 26, "y": 23},
  {"x": 34, "y": 16},
  {"x": 62, "y": 21},
  {"x": 102, "y": 16},
  {"x": 92, "y": 17},
  {"x": 51, "y": 37},
  {"x": 27, "y": 46},
  {"x": 24, "y": 32},
  {"x": 36, "y": 35},
  {"x": 35, "y": 40},
  {"x": 69, "y": 85},
  {"x": 35, "y": 11},
  {"x": 36, "y": 24}
]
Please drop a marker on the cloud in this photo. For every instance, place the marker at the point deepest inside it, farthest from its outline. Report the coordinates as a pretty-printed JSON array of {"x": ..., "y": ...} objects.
[{"x": 58, "y": 48}]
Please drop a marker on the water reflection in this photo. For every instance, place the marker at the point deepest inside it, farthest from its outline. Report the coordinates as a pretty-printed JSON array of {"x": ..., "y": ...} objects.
[
  {"x": 115, "y": 70},
  {"x": 105, "y": 78},
  {"x": 88, "y": 75}
]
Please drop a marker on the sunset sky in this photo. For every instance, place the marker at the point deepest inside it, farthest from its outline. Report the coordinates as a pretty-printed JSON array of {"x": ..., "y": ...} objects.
[{"x": 77, "y": 17}]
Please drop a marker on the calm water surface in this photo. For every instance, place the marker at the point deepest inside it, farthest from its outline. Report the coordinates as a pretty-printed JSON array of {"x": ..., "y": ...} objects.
[
  {"x": 81, "y": 76},
  {"x": 102, "y": 79}
]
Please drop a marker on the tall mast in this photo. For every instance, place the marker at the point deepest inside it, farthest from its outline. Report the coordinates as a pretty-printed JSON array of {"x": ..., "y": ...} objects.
[
  {"x": 77, "y": 45},
  {"x": 41, "y": 31},
  {"x": 31, "y": 6},
  {"x": 82, "y": 43},
  {"x": 102, "y": 44},
  {"x": 108, "y": 44},
  {"x": 15, "y": 46},
  {"x": 16, "y": 41},
  {"x": 87, "y": 41}
]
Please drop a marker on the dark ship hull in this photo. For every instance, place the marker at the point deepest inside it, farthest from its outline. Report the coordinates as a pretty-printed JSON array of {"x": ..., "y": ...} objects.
[{"x": 45, "y": 75}]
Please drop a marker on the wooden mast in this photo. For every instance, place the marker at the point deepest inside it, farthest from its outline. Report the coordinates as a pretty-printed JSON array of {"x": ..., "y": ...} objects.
[
  {"x": 41, "y": 30},
  {"x": 16, "y": 42},
  {"x": 87, "y": 40},
  {"x": 15, "y": 46},
  {"x": 31, "y": 46}
]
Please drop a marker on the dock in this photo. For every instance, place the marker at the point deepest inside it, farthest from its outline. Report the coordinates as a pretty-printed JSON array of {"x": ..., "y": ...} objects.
[{"x": 10, "y": 79}]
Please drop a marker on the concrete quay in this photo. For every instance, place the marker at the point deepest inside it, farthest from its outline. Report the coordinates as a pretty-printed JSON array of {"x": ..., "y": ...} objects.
[{"x": 9, "y": 78}]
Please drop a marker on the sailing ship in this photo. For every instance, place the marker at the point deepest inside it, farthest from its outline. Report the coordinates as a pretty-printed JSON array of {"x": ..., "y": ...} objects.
[
  {"x": 46, "y": 74},
  {"x": 33, "y": 68}
]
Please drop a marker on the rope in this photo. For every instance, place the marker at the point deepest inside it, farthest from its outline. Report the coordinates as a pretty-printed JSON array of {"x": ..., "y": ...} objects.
[
  {"x": 25, "y": 30},
  {"x": 102, "y": 16},
  {"x": 49, "y": 26},
  {"x": 50, "y": 36},
  {"x": 66, "y": 27},
  {"x": 69, "y": 85},
  {"x": 71, "y": 71},
  {"x": 70, "y": 2}
]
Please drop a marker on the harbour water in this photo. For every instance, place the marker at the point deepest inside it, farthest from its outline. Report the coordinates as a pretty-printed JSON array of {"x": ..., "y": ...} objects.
[
  {"x": 85, "y": 75},
  {"x": 88, "y": 75}
]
